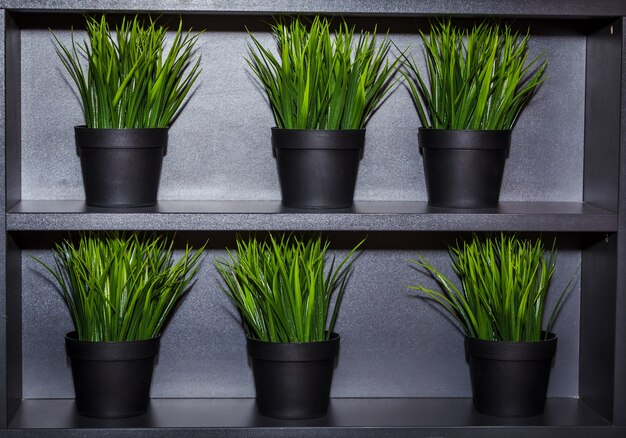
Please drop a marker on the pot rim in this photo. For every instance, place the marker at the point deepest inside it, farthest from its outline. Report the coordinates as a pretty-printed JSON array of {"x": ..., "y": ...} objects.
[
  {"x": 551, "y": 337},
  {"x": 318, "y": 139},
  {"x": 85, "y": 128},
  {"x": 465, "y": 130},
  {"x": 120, "y": 138},
  {"x": 333, "y": 336},
  {"x": 294, "y": 351},
  {"x": 73, "y": 337},
  {"x": 498, "y": 141},
  {"x": 111, "y": 351},
  {"x": 511, "y": 351},
  {"x": 276, "y": 128}
]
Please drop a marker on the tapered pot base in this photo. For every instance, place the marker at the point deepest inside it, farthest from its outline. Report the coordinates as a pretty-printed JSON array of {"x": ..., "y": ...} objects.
[
  {"x": 121, "y": 167},
  {"x": 510, "y": 379},
  {"x": 317, "y": 169},
  {"x": 112, "y": 379},
  {"x": 293, "y": 380},
  {"x": 463, "y": 169}
]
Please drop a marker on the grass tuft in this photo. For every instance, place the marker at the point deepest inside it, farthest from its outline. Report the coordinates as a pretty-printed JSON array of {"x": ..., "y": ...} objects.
[
  {"x": 505, "y": 283},
  {"x": 121, "y": 288},
  {"x": 284, "y": 288},
  {"x": 478, "y": 79},
  {"x": 321, "y": 81},
  {"x": 129, "y": 81}
]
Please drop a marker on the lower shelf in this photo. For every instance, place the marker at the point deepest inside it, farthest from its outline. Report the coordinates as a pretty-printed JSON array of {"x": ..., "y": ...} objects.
[{"x": 428, "y": 417}]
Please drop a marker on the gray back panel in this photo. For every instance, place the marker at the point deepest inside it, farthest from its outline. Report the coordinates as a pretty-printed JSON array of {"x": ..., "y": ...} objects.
[
  {"x": 220, "y": 144},
  {"x": 393, "y": 345}
]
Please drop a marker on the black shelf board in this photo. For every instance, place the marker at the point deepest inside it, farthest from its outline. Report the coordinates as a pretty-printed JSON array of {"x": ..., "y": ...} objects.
[
  {"x": 552, "y": 8},
  {"x": 359, "y": 416},
  {"x": 270, "y": 215}
]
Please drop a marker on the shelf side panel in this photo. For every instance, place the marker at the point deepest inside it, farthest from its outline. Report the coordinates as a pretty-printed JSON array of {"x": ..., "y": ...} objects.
[
  {"x": 3, "y": 325},
  {"x": 619, "y": 407},
  {"x": 597, "y": 328},
  {"x": 13, "y": 108},
  {"x": 10, "y": 278},
  {"x": 601, "y": 174},
  {"x": 13, "y": 294},
  {"x": 10, "y": 370},
  {"x": 602, "y": 112}
]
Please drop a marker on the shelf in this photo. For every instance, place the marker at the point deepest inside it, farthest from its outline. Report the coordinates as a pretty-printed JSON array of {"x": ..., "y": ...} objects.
[
  {"x": 561, "y": 8},
  {"x": 359, "y": 416},
  {"x": 264, "y": 215},
  {"x": 571, "y": 147}
]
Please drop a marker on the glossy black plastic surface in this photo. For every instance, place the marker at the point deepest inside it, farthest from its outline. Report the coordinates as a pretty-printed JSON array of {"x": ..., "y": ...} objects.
[
  {"x": 510, "y": 379},
  {"x": 121, "y": 167},
  {"x": 463, "y": 169},
  {"x": 112, "y": 379},
  {"x": 292, "y": 381},
  {"x": 317, "y": 168}
]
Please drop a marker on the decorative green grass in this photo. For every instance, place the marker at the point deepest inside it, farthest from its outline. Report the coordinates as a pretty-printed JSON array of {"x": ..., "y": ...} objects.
[
  {"x": 318, "y": 80},
  {"x": 129, "y": 81},
  {"x": 505, "y": 283},
  {"x": 478, "y": 79},
  {"x": 121, "y": 288},
  {"x": 284, "y": 288}
]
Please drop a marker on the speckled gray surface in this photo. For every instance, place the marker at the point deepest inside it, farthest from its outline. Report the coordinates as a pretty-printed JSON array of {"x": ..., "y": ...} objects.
[
  {"x": 375, "y": 417},
  {"x": 461, "y": 7},
  {"x": 392, "y": 345},
  {"x": 270, "y": 215},
  {"x": 220, "y": 145}
]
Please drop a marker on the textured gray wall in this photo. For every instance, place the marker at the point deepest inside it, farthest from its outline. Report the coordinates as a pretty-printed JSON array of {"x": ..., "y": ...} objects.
[
  {"x": 220, "y": 145},
  {"x": 393, "y": 345},
  {"x": 559, "y": 8}
]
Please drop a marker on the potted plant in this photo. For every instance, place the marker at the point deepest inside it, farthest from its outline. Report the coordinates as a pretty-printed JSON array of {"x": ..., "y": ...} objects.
[
  {"x": 289, "y": 299},
  {"x": 500, "y": 309},
  {"x": 120, "y": 291},
  {"x": 130, "y": 92},
  {"x": 322, "y": 90},
  {"x": 478, "y": 84}
]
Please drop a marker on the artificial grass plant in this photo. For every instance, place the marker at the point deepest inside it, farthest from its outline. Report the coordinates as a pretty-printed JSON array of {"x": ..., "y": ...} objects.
[
  {"x": 321, "y": 80},
  {"x": 129, "y": 81},
  {"x": 283, "y": 287},
  {"x": 478, "y": 79},
  {"x": 505, "y": 282},
  {"x": 121, "y": 287}
]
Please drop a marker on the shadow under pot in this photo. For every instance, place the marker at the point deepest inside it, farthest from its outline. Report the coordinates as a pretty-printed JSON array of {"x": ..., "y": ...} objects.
[
  {"x": 317, "y": 168},
  {"x": 510, "y": 379},
  {"x": 121, "y": 167},
  {"x": 293, "y": 380},
  {"x": 111, "y": 379},
  {"x": 463, "y": 169}
]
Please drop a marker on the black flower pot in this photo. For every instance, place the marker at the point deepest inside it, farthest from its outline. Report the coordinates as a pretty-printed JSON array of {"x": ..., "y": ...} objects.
[
  {"x": 112, "y": 379},
  {"x": 463, "y": 169},
  {"x": 317, "y": 168},
  {"x": 292, "y": 380},
  {"x": 121, "y": 167},
  {"x": 510, "y": 379}
]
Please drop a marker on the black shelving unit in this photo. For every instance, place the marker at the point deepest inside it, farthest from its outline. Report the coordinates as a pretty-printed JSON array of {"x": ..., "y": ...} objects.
[{"x": 401, "y": 370}]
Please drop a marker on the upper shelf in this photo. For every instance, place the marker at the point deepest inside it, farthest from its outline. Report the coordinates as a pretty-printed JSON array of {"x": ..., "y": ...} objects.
[
  {"x": 552, "y": 8},
  {"x": 270, "y": 215}
]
